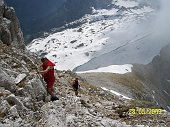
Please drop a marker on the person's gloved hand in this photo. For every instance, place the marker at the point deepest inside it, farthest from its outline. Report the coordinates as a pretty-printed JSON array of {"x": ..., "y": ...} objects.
[{"x": 33, "y": 73}]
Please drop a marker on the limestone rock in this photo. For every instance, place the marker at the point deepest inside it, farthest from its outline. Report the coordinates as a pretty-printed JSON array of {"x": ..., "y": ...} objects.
[
  {"x": 10, "y": 32},
  {"x": 6, "y": 81},
  {"x": 13, "y": 100},
  {"x": 19, "y": 78},
  {"x": 38, "y": 88},
  {"x": 4, "y": 108},
  {"x": 13, "y": 111},
  {"x": 28, "y": 103}
]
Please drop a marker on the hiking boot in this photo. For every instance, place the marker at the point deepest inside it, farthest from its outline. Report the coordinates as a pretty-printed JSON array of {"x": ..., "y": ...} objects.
[{"x": 54, "y": 98}]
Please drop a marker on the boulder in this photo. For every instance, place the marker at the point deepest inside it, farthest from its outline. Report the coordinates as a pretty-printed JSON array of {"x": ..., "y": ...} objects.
[
  {"x": 19, "y": 78},
  {"x": 13, "y": 111},
  {"x": 4, "y": 108},
  {"x": 38, "y": 88},
  {"x": 5, "y": 32},
  {"x": 28, "y": 103},
  {"x": 13, "y": 100},
  {"x": 6, "y": 81}
]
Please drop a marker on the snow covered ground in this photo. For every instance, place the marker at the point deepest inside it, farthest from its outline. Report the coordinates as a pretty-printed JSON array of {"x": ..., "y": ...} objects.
[
  {"x": 104, "y": 31},
  {"x": 119, "y": 69},
  {"x": 116, "y": 93},
  {"x": 125, "y": 3}
]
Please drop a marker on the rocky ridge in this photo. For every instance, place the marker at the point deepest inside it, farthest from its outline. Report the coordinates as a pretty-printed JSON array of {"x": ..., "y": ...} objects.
[
  {"x": 156, "y": 77},
  {"x": 10, "y": 32},
  {"x": 18, "y": 99}
]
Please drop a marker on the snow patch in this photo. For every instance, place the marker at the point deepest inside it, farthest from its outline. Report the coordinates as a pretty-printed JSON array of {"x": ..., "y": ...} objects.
[
  {"x": 119, "y": 69},
  {"x": 116, "y": 93},
  {"x": 125, "y": 3}
]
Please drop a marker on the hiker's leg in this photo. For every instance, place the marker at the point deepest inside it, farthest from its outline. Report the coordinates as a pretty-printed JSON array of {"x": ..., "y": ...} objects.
[
  {"x": 76, "y": 93},
  {"x": 53, "y": 96},
  {"x": 53, "y": 89},
  {"x": 50, "y": 91},
  {"x": 50, "y": 88}
]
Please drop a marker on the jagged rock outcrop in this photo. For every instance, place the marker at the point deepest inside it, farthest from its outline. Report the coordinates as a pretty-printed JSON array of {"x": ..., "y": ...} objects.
[
  {"x": 10, "y": 32},
  {"x": 20, "y": 93},
  {"x": 156, "y": 76},
  {"x": 18, "y": 98}
]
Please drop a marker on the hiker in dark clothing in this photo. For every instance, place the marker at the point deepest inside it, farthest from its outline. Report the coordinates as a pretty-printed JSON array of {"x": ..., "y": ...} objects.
[
  {"x": 75, "y": 85},
  {"x": 49, "y": 77}
]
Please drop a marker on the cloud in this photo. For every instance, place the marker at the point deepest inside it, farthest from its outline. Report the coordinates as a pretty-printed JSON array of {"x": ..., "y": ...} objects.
[{"x": 161, "y": 23}]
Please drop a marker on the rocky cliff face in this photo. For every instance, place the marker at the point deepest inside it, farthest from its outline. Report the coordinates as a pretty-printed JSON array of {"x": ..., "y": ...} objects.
[
  {"x": 156, "y": 77},
  {"x": 20, "y": 93},
  {"x": 10, "y": 32}
]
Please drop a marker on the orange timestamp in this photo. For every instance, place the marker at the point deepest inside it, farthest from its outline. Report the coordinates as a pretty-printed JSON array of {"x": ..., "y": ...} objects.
[{"x": 151, "y": 111}]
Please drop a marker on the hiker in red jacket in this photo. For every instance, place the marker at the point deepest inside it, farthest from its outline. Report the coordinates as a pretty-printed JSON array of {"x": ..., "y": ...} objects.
[{"x": 49, "y": 77}]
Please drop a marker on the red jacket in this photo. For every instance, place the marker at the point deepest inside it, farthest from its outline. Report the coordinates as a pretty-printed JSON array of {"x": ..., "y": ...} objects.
[{"x": 50, "y": 74}]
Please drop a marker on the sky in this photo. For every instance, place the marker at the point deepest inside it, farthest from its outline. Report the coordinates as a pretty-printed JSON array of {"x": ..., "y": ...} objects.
[
  {"x": 161, "y": 23},
  {"x": 163, "y": 19}
]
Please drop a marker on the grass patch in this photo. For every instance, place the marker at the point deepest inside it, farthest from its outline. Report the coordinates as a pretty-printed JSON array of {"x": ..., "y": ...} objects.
[
  {"x": 89, "y": 88},
  {"x": 129, "y": 80},
  {"x": 143, "y": 104}
]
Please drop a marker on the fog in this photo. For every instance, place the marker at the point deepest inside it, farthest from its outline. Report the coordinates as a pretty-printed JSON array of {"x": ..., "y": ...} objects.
[
  {"x": 161, "y": 23},
  {"x": 163, "y": 20}
]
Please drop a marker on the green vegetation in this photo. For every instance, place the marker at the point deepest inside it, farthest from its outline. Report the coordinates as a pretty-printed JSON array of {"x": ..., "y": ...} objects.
[
  {"x": 130, "y": 80},
  {"x": 142, "y": 104}
]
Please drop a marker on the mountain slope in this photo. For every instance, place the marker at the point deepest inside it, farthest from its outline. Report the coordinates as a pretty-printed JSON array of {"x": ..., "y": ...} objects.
[
  {"x": 146, "y": 82},
  {"x": 118, "y": 28},
  {"x": 156, "y": 75}
]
